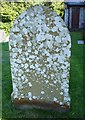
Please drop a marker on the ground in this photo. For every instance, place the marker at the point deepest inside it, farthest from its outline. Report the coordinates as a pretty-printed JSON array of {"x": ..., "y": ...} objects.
[{"x": 76, "y": 86}]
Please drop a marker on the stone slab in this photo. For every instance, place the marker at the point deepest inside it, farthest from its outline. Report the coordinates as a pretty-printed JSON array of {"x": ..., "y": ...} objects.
[{"x": 40, "y": 53}]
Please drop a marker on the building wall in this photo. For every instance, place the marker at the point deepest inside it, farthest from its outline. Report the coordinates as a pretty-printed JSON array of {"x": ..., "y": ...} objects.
[
  {"x": 73, "y": 0},
  {"x": 82, "y": 17},
  {"x": 68, "y": 16}
]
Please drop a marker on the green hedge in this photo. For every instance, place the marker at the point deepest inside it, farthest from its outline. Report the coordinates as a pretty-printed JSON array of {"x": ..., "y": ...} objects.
[{"x": 11, "y": 10}]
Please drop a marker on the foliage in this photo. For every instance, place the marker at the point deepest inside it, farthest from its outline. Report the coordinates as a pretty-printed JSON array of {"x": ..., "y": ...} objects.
[
  {"x": 11, "y": 10},
  {"x": 59, "y": 8}
]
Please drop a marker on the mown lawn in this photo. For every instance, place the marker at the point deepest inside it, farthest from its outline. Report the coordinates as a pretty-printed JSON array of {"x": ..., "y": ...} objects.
[{"x": 76, "y": 87}]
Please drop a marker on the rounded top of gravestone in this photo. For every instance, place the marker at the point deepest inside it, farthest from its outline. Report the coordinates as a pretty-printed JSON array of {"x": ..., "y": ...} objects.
[
  {"x": 38, "y": 21},
  {"x": 39, "y": 24}
]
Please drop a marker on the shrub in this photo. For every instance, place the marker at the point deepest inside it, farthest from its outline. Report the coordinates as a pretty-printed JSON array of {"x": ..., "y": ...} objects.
[{"x": 11, "y": 10}]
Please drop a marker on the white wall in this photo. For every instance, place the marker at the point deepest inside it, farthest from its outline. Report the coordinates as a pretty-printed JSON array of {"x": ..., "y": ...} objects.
[
  {"x": 74, "y": 0},
  {"x": 82, "y": 17},
  {"x": 66, "y": 16}
]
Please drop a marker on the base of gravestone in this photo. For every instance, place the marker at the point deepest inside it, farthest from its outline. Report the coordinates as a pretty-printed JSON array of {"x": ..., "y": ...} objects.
[{"x": 25, "y": 104}]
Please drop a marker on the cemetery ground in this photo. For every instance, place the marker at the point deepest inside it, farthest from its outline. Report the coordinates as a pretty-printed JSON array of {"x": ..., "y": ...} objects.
[{"x": 76, "y": 87}]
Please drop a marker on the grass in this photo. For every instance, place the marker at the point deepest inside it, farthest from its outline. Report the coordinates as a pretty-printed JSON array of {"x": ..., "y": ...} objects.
[
  {"x": 0, "y": 81},
  {"x": 76, "y": 87}
]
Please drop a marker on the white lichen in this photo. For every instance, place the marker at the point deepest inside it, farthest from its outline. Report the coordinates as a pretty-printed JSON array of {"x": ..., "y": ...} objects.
[
  {"x": 30, "y": 84},
  {"x": 42, "y": 92},
  {"x": 55, "y": 99}
]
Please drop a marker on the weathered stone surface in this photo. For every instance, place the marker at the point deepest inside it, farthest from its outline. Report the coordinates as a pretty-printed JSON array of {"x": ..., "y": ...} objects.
[
  {"x": 40, "y": 57},
  {"x": 2, "y": 36}
]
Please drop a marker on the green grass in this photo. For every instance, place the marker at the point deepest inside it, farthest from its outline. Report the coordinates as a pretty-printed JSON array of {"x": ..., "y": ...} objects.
[
  {"x": 0, "y": 81},
  {"x": 76, "y": 87}
]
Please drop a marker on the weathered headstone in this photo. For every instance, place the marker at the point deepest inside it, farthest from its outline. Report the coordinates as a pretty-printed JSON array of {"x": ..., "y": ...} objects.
[
  {"x": 40, "y": 59},
  {"x": 2, "y": 36}
]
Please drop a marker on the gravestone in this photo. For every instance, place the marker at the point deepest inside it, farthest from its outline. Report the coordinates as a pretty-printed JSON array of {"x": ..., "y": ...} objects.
[
  {"x": 2, "y": 36},
  {"x": 40, "y": 60}
]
